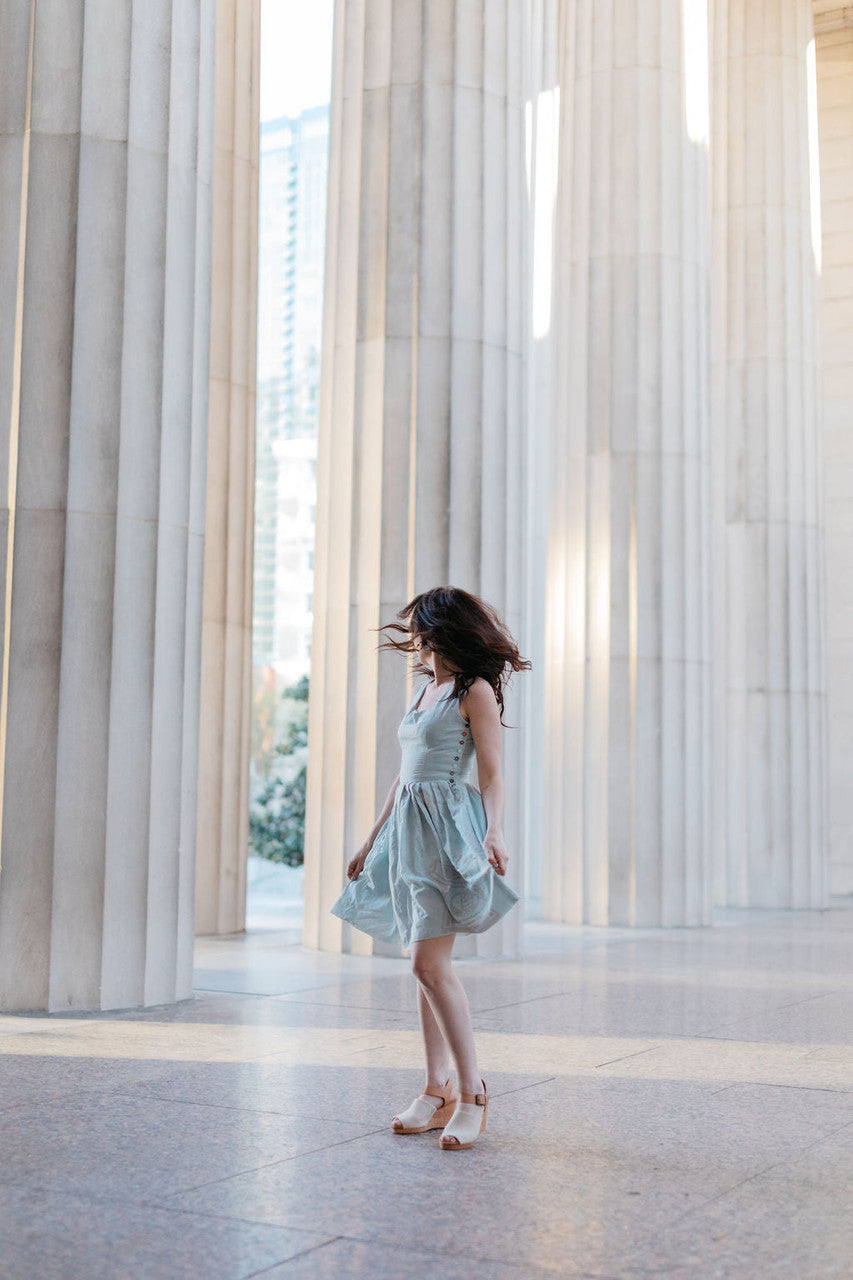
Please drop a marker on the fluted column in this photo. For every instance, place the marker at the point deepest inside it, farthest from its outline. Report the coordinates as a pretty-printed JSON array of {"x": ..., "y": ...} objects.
[
  {"x": 627, "y": 680},
  {"x": 542, "y": 133},
  {"x": 419, "y": 458},
  {"x": 834, "y": 46},
  {"x": 770, "y": 648},
  {"x": 106, "y": 137},
  {"x": 223, "y": 783}
]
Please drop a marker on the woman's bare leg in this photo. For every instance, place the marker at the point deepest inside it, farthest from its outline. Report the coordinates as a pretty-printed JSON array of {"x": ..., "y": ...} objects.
[
  {"x": 445, "y": 995},
  {"x": 435, "y": 1045}
]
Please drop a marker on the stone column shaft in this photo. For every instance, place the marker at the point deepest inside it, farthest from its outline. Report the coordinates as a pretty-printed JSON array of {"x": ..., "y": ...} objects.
[
  {"x": 105, "y": 147},
  {"x": 542, "y": 136},
  {"x": 627, "y": 697},
  {"x": 769, "y": 659},
  {"x": 419, "y": 457},
  {"x": 834, "y": 47},
  {"x": 223, "y": 799}
]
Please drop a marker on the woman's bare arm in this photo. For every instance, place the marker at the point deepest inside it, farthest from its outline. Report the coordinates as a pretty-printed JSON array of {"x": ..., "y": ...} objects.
[
  {"x": 355, "y": 865},
  {"x": 480, "y": 708}
]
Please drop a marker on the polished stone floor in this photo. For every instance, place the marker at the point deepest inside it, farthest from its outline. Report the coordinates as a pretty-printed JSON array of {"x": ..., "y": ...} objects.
[{"x": 674, "y": 1103}]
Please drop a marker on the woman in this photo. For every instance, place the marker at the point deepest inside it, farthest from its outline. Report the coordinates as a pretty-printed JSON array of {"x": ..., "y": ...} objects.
[{"x": 434, "y": 863}]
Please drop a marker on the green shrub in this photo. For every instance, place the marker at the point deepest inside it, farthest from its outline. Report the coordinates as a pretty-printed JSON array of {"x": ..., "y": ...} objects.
[{"x": 277, "y": 773}]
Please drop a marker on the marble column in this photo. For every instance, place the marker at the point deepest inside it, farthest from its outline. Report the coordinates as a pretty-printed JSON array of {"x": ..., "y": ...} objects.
[
  {"x": 769, "y": 646},
  {"x": 627, "y": 634},
  {"x": 106, "y": 122},
  {"x": 419, "y": 457},
  {"x": 223, "y": 782},
  {"x": 542, "y": 134},
  {"x": 834, "y": 48}
]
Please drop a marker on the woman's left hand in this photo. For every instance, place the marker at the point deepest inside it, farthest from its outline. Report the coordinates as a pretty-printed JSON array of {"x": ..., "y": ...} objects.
[{"x": 496, "y": 853}]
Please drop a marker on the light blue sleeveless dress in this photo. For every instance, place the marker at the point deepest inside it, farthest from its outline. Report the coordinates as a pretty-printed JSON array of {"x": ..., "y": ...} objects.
[{"x": 427, "y": 874}]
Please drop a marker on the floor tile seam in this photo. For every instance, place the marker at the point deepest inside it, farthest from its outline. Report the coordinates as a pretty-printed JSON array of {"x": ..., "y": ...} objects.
[
  {"x": 217, "y": 991},
  {"x": 732, "y": 1084},
  {"x": 790, "y": 1004},
  {"x": 260, "y": 995},
  {"x": 290, "y": 1115},
  {"x": 269, "y": 1164},
  {"x": 512, "y": 1004},
  {"x": 721, "y": 1195},
  {"x": 339, "y": 1004},
  {"x": 62, "y": 1189},
  {"x": 36, "y": 1104},
  {"x": 697, "y": 970},
  {"x": 51, "y": 1097},
  {"x": 145, "y": 1203},
  {"x": 294, "y": 1257},
  {"x": 307, "y": 1115},
  {"x": 557, "y": 995},
  {"x": 347, "y": 1035},
  {"x": 293, "y": 996},
  {"x": 805, "y": 1045},
  {"x": 228, "y": 1218},
  {"x": 225, "y": 1106},
  {"x": 521, "y": 1088},
  {"x": 743, "y": 1082},
  {"x": 584, "y": 1071},
  {"x": 134, "y": 1199},
  {"x": 283, "y": 1053},
  {"x": 767, "y": 1084},
  {"x": 675, "y": 1036},
  {"x": 636, "y": 1053},
  {"x": 323, "y": 1006},
  {"x": 535, "y": 1273},
  {"x": 382, "y": 1008}
]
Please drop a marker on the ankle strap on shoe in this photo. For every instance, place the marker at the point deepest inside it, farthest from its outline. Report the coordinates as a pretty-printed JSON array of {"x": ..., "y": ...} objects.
[{"x": 444, "y": 1094}]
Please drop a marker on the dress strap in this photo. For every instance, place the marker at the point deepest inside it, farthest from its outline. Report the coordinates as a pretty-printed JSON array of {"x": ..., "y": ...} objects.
[{"x": 413, "y": 705}]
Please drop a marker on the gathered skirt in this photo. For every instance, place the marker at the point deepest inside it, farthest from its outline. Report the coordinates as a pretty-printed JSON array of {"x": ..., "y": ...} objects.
[{"x": 427, "y": 874}]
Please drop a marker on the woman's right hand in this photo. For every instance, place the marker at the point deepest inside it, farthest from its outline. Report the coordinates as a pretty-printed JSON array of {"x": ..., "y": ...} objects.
[{"x": 355, "y": 866}]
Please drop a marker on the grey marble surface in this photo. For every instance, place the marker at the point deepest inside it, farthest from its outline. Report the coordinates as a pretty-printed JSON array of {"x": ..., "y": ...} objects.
[{"x": 664, "y": 1102}]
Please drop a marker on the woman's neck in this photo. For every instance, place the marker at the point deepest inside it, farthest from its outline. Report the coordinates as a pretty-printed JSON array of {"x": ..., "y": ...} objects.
[{"x": 443, "y": 676}]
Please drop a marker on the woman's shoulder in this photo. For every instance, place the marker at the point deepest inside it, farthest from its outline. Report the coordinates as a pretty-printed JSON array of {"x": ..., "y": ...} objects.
[{"x": 479, "y": 694}]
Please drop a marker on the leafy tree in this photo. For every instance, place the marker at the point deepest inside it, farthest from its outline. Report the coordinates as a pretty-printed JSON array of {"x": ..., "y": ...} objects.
[{"x": 277, "y": 777}]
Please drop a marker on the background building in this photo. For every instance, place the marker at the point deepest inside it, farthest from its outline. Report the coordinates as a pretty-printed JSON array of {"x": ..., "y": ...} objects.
[{"x": 293, "y": 179}]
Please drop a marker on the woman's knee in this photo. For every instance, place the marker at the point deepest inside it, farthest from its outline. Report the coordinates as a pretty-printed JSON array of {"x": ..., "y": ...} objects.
[{"x": 430, "y": 971}]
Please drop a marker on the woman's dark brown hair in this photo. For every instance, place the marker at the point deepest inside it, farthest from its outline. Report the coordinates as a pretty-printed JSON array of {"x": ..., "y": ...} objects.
[{"x": 465, "y": 632}]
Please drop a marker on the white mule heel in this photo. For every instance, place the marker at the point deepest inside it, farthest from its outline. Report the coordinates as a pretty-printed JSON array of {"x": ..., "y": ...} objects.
[
  {"x": 468, "y": 1121},
  {"x": 431, "y": 1110}
]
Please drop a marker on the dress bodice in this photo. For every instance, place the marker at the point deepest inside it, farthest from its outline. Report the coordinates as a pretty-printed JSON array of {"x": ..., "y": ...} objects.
[{"x": 436, "y": 742}]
